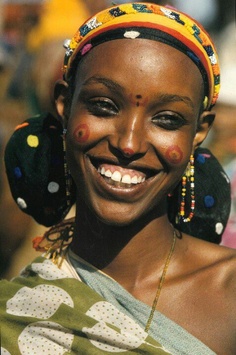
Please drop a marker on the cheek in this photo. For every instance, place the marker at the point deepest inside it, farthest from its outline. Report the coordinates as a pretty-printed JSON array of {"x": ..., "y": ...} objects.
[
  {"x": 174, "y": 154},
  {"x": 81, "y": 133}
]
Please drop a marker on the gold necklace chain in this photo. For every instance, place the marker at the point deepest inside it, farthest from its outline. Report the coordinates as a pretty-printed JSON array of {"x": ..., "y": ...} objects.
[{"x": 162, "y": 280}]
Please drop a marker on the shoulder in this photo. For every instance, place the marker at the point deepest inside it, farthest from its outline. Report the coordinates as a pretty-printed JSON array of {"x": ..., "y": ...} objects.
[
  {"x": 208, "y": 250},
  {"x": 209, "y": 272},
  {"x": 215, "y": 263}
]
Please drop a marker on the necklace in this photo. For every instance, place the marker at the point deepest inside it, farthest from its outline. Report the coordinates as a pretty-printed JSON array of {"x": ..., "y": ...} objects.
[{"x": 162, "y": 280}]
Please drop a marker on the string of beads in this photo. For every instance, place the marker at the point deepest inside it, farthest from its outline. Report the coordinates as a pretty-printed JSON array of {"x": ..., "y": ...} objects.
[{"x": 189, "y": 176}]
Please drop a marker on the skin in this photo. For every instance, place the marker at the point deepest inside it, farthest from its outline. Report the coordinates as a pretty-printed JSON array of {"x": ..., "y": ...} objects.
[
  {"x": 174, "y": 154},
  {"x": 81, "y": 133},
  {"x": 138, "y": 100},
  {"x": 114, "y": 223}
]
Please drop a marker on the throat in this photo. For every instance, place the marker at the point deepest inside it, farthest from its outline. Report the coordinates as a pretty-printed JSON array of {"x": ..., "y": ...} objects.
[{"x": 128, "y": 252}]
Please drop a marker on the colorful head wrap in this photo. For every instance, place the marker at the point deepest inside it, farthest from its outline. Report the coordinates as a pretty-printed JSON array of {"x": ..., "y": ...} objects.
[{"x": 150, "y": 21}]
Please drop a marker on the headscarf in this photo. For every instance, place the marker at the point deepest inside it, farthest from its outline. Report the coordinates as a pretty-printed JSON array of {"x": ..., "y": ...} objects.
[{"x": 154, "y": 22}]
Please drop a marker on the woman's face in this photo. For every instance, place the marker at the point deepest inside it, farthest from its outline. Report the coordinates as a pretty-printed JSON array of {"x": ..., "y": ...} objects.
[{"x": 132, "y": 126}]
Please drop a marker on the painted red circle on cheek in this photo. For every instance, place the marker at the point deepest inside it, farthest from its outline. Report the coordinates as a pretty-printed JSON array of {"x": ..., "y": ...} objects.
[
  {"x": 174, "y": 154},
  {"x": 81, "y": 133}
]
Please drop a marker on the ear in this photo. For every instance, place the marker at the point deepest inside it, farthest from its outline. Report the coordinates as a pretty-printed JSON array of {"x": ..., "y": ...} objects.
[
  {"x": 205, "y": 122},
  {"x": 61, "y": 99}
]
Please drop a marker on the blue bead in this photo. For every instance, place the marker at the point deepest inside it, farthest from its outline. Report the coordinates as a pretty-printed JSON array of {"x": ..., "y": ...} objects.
[{"x": 209, "y": 201}]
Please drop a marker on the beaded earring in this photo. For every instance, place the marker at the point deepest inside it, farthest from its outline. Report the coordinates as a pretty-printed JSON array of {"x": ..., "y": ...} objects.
[
  {"x": 68, "y": 179},
  {"x": 188, "y": 177}
]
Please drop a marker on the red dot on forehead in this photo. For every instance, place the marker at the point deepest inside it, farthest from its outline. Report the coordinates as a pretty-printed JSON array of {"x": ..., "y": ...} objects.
[
  {"x": 174, "y": 154},
  {"x": 81, "y": 133},
  {"x": 138, "y": 100}
]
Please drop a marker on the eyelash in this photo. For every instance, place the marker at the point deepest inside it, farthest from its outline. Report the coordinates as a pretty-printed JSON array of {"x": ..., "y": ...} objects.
[
  {"x": 101, "y": 107},
  {"x": 104, "y": 107},
  {"x": 169, "y": 121}
]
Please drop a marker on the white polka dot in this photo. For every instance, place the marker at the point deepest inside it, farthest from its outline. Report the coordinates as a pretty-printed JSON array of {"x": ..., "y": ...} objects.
[
  {"x": 4, "y": 352},
  {"x": 21, "y": 203},
  {"x": 219, "y": 228},
  {"x": 53, "y": 187}
]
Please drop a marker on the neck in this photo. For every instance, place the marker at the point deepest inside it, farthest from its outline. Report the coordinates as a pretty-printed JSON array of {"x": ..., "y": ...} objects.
[{"x": 117, "y": 248}]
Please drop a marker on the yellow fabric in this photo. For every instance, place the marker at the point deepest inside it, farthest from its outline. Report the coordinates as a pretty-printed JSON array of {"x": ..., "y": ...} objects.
[
  {"x": 148, "y": 19},
  {"x": 58, "y": 20}
]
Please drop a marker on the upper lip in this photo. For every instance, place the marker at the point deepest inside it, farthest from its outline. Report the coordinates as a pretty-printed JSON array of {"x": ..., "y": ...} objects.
[{"x": 149, "y": 171}]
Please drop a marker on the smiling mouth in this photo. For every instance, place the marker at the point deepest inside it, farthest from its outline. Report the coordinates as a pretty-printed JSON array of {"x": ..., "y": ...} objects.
[
  {"x": 123, "y": 177},
  {"x": 114, "y": 176}
]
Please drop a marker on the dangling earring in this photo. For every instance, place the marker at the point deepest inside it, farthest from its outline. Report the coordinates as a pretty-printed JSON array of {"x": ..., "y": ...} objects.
[
  {"x": 188, "y": 177},
  {"x": 68, "y": 179}
]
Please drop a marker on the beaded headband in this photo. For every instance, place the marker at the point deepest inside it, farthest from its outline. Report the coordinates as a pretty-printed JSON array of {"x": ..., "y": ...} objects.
[{"x": 150, "y": 21}]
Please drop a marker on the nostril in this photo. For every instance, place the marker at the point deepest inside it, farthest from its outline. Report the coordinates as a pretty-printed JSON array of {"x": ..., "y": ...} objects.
[{"x": 128, "y": 152}]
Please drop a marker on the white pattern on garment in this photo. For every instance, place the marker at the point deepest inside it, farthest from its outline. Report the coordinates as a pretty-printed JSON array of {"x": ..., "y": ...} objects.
[
  {"x": 41, "y": 301},
  {"x": 48, "y": 271},
  {"x": 47, "y": 338},
  {"x": 129, "y": 337}
]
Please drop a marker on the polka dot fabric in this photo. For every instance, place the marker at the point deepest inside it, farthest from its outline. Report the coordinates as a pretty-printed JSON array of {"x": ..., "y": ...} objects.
[
  {"x": 45, "y": 338},
  {"x": 34, "y": 162},
  {"x": 50, "y": 312},
  {"x": 212, "y": 196},
  {"x": 28, "y": 302}
]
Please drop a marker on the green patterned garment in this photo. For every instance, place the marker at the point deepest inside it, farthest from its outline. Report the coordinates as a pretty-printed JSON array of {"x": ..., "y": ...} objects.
[{"x": 49, "y": 311}]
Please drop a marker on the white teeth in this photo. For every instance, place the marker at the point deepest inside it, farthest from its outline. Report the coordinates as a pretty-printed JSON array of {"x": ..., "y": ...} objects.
[
  {"x": 116, "y": 176},
  {"x": 108, "y": 173},
  {"x": 134, "y": 180},
  {"x": 126, "y": 179}
]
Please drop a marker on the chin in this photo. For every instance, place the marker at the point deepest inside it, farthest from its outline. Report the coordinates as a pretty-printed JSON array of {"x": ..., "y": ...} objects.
[{"x": 125, "y": 215}]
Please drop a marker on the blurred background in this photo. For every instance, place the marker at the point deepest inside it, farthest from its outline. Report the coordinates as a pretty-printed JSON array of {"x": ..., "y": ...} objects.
[{"x": 32, "y": 33}]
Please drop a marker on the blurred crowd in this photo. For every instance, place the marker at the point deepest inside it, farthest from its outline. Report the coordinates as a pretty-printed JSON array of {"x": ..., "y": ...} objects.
[{"x": 32, "y": 33}]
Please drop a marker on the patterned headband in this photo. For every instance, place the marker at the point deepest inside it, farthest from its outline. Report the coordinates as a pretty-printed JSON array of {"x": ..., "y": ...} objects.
[{"x": 150, "y": 21}]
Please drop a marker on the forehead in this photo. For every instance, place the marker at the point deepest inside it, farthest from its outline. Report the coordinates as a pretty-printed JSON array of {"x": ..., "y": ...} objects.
[{"x": 141, "y": 64}]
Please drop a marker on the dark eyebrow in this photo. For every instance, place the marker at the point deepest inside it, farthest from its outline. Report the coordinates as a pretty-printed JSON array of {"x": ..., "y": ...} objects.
[
  {"x": 114, "y": 87},
  {"x": 165, "y": 98},
  {"x": 110, "y": 84}
]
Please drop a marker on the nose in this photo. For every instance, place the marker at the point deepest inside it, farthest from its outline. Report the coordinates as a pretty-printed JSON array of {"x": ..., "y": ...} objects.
[{"x": 129, "y": 137}]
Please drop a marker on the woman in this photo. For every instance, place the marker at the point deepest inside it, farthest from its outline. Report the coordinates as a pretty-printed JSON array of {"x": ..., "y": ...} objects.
[{"x": 139, "y": 84}]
